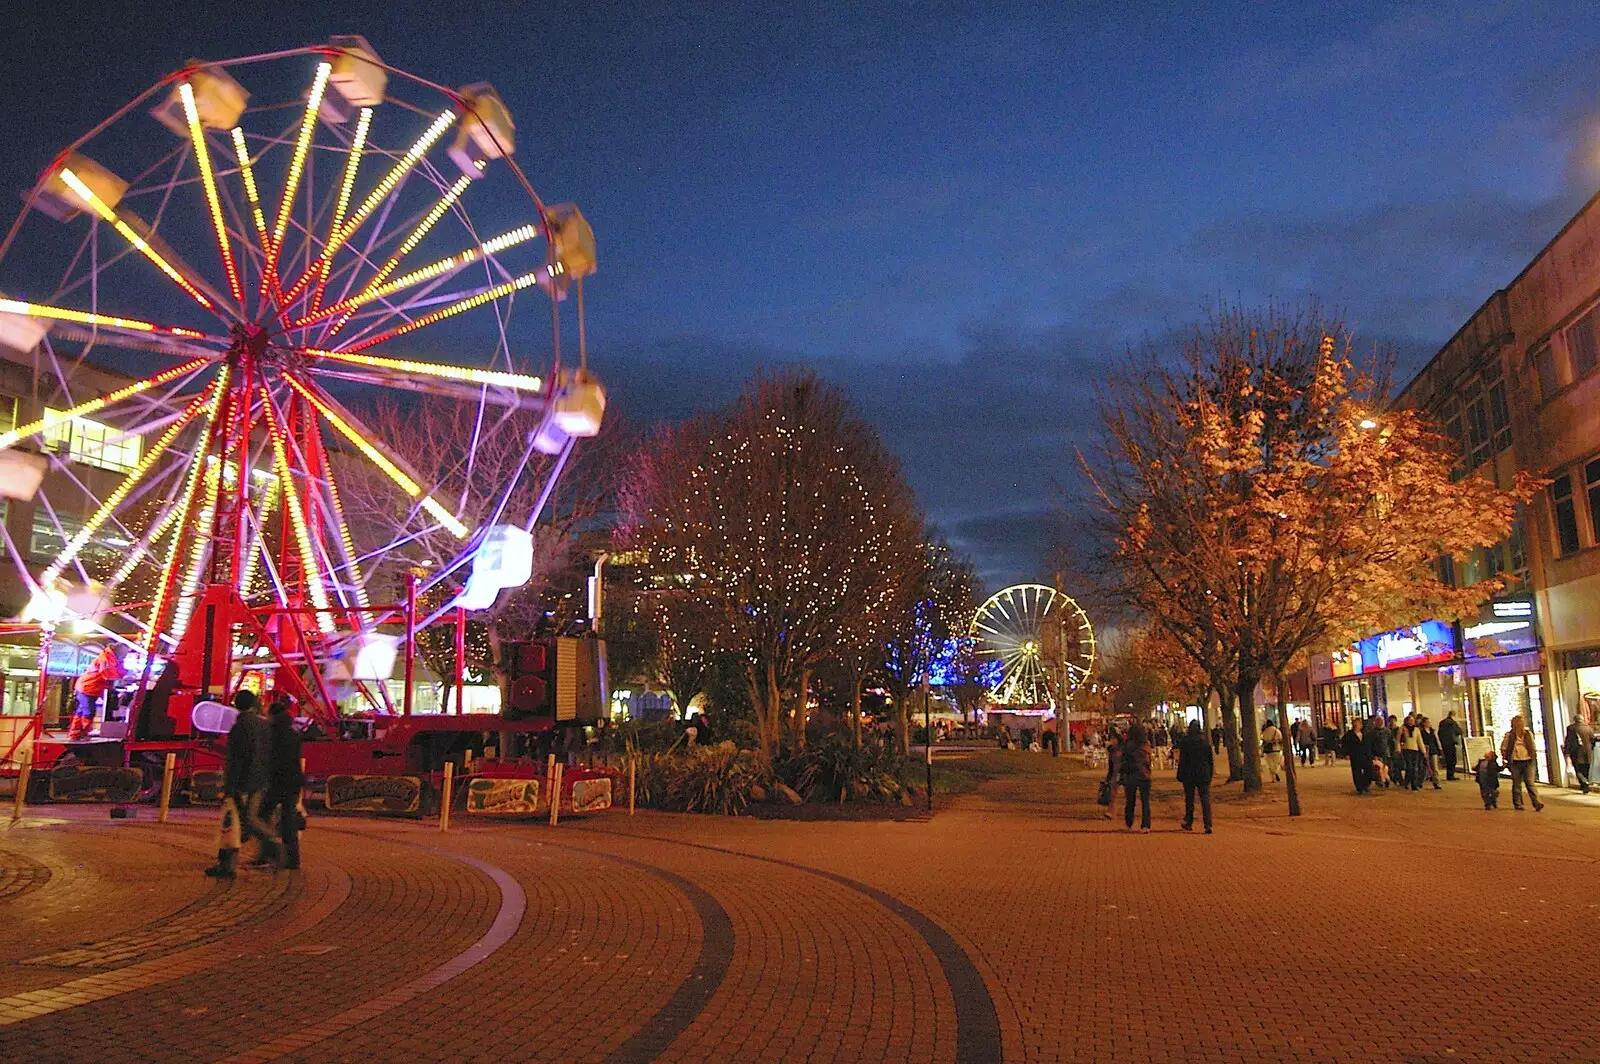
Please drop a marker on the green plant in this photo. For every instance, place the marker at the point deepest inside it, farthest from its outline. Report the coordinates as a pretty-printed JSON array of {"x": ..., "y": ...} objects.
[
  {"x": 836, "y": 768},
  {"x": 715, "y": 779}
]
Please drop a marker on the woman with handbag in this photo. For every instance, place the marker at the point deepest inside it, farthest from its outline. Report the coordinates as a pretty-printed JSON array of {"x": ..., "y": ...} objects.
[
  {"x": 1108, "y": 786},
  {"x": 1134, "y": 769}
]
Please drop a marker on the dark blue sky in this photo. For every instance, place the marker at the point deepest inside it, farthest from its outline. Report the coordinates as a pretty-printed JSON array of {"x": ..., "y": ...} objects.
[{"x": 963, "y": 213}]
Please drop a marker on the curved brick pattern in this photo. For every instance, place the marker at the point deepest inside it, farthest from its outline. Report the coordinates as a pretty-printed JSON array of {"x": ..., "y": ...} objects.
[{"x": 20, "y": 874}]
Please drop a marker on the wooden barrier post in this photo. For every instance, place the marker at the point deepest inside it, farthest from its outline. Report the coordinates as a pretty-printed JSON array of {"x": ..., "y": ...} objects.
[
  {"x": 633, "y": 763},
  {"x": 166, "y": 786},
  {"x": 444, "y": 799},
  {"x": 555, "y": 794},
  {"x": 22, "y": 783}
]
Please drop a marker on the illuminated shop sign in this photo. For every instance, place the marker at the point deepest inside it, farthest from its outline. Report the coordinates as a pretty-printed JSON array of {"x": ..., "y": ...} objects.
[
  {"x": 1504, "y": 626},
  {"x": 1421, "y": 644}
]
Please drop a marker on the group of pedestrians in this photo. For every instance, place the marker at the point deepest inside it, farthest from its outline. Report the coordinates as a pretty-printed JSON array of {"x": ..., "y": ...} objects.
[
  {"x": 1383, "y": 752},
  {"x": 1129, "y": 766},
  {"x": 261, "y": 785}
]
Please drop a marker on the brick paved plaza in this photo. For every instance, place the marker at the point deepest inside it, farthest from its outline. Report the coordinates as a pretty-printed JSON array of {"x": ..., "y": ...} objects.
[{"x": 1016, "y": 924}]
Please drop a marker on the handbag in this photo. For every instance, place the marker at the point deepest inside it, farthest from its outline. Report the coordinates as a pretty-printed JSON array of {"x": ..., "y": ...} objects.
[{"x": 1104, "y": 797}]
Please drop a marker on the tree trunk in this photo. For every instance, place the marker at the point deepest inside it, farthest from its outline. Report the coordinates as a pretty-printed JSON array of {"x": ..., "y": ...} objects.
[
  {"x": 855, "y": 708},
  {"x": 1249, "y": 731},
  {"x": 1292, "y": 791},
  {"x": 797, "y": 715},
  {"x": 765, "y": 700},
  {"x": 902, "y": 711},
  {"x": 1230, "y": 734}
]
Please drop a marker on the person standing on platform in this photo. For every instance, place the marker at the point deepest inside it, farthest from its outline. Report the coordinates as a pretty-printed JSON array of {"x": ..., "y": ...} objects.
[
  {"x": 1195, "y": 769},
  {"x": 104, "y": 671},
  {"x": 1577, "y": 745},
  {"x": 1518, "y": 750},
  {"x": 1449, "y": 743}
]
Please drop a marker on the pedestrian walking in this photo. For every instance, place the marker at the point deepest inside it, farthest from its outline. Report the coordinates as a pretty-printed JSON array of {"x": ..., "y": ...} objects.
[
  {"x": 1113, "y": 769},
  {"x": 284, "y": 782},
  {"x": 1449, "y": 743},
  {"x": 1306, "y": 737},
  {"x": 1578, "y": 746},
  {"x": 1377, "y": 751},
  {"x": 1354, "y": 748},
  {"x": 1272, "y": 749},
  {"x": 1195, "y": 769},
  {"x": 1517, "y": 748},
  {"x": 1216, "y": 738},
  {"x": 1393, "y": 753},
  {"x": 1487, "y": 773},
  {"x": 244, "y": 784},
  {"x": 1135, "y": 770},
  {"x": 96, "y": 681},
  {"x": 1047, "y": 735}
]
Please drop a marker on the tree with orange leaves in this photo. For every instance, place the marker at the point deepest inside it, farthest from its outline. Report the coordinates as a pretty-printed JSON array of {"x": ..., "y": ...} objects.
[{"x": 1257, "y": 506}]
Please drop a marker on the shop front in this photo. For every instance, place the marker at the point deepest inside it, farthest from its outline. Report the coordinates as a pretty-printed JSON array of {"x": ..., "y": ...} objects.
[
  {"x": 1502, "y": 664},
  {"x": 1399, "y": 673}
]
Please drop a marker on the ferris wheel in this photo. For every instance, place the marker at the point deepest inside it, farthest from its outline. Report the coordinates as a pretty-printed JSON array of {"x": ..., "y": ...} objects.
[
  {"x": 1042, "y": 640},
  {"x": 212, "y": 289}
]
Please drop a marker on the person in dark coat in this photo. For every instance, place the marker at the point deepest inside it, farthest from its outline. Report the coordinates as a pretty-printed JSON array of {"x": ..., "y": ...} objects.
[
  {"x": 1216, "y": 738},
  {"x": 284, "y": 780},
  {"x": 1377, "y": 740},
  {"x": 1195, "y": 769},
  {"x": 244, "y": 785},
  {"x": 1356, "y": 749},
  {"x": 1449, "y": 743},
  {"x": 1134, "y": 768}
]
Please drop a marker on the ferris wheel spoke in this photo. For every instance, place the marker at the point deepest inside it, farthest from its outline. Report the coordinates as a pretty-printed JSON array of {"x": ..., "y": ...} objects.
[
  {"x": 247, "y": 173},
  {"x": 352, "y": 163},
  {"x": 85, "y": 317},
  {"x": 391, "y": 180},
  {"x": 521, "y": 382},
  {"x": 83, "y": 409},
  {"x": 440, "y": 269},
  {"x": 365, "y": 441},
  {"x": 202, "y": 158},
  {"x": 445, "y": 389},
  {"x": 347, "y": 543},
  {"x": 183, "y": 278},
  {"x": 291, "y": 184},
  {"x": 472, "y": 302},
  {"x": 297, "y": 514}
]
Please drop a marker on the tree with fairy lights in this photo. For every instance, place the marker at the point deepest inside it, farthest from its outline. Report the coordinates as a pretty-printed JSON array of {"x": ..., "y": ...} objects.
[
  {"x": 937, "y": 607},
  {"x": 786, "y": 518}
]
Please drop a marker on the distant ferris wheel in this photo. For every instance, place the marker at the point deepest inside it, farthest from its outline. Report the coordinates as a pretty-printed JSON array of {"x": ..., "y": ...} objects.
[{"x": 1043, "y": 641}]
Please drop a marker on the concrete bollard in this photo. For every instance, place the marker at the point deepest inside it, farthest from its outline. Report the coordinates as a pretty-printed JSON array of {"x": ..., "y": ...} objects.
[
  {"x": 167, "y": 772},
  {"x": 444, "y": 797}
]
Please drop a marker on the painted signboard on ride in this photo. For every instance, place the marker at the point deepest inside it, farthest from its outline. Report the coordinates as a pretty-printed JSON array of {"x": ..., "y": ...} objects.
[
  {"x": 502, "y": 797},
  {"x": 590, "y": 796},
  {"x": 374, "y": 794}
]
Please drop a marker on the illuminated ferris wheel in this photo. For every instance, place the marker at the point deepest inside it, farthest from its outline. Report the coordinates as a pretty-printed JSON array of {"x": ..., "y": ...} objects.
[
  {"x": 212, "y": 286},
  {"x": 1042, "y": 640}
]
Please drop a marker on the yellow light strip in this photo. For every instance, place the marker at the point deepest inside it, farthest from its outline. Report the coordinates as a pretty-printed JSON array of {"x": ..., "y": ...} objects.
[
  {"x": 520, "y": 381},
  {"x": 112, "y": 501},
  {"x": 410, "y": 242},
  {"x": 413, "y": 154},
  {"x": 250, "y": 185},
  {"x": 158, "y": 608},
  {"x": 258, "y": 542},
  {"x": 297, "y": 516},
  {"x": 356, "y": 580},
  {"x": 351, "y": 163},
  {"x": 197, "y": 552},
  {"x": 33, "y": 428},
  {"x": 85, "y": 317},
  {"x": 488, "y": 295},
  {"x": 520, "y": 235},
  {"x": 379, "y": 459},
  {"x": 202, "y": 158},
  {"x": 297, "y": 162},
  {"x": 85, "y": 193}
]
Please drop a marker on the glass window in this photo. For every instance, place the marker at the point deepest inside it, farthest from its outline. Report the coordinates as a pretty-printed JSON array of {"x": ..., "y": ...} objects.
[
  {"x": 8, "y": 413},
  {"x": 1544, "y": 364},
  {"x": 100, "y": 556},
  {"x": 1591, "y": 480},
  {"x": 90, "y": 442},
  {"x": 1566, "y": 513},
  {"x": 1583, "y": 340},
  {"x": 1499, "y": 417}
]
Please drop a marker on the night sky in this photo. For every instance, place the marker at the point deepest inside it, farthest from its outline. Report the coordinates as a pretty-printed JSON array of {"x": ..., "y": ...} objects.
[{"x": 963, "y": 214}]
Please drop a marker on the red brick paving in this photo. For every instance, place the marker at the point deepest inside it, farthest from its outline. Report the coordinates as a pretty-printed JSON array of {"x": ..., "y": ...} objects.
[{"x": 1397, "y": 927}]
